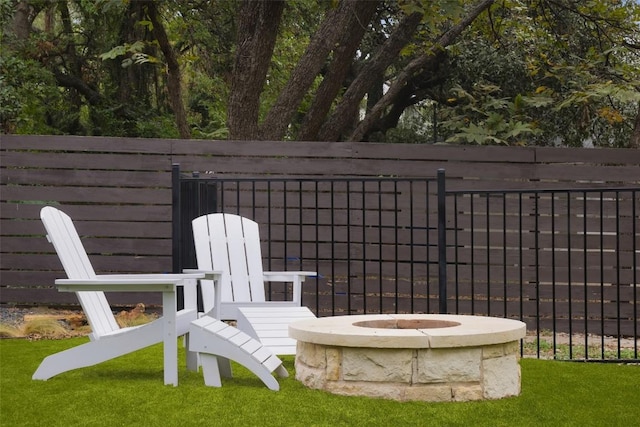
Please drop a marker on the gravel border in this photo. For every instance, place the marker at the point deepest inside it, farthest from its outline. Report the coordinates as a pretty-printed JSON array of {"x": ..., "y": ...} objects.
[{"x": 14, "y": 316}]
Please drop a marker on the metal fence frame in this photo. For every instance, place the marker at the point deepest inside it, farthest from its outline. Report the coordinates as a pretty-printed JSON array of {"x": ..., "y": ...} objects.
[
  {"x": 594, "y": 298},
  {"x": 442, "y": 231}
]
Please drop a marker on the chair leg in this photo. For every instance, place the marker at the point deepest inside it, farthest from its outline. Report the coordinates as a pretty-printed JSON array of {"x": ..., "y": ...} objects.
[
  {"x": 225, "y": 367},
  {"x": 281, "y": 371},
  {"x": 210, "y": 370},
  {"x": 192, "y": 356},
  {"x": 92, "y": 353}
]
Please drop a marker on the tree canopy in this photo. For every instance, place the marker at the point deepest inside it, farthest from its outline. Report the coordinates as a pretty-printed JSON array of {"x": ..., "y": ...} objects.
[{"x": 515, "y": 72}]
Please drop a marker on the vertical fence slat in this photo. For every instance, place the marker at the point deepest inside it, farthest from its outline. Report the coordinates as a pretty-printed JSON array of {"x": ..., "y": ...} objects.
[{"x": 442, "y": 241}]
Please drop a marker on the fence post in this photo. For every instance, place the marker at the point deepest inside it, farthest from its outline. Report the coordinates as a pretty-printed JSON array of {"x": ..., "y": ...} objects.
[
  {"x": 175, "y": 218},
  {"x": 176, "y": 236},
  {"x": 442, "y": 243}
]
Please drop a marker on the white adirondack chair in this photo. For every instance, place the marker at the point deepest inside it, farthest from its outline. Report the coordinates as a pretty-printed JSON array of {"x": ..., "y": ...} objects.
[
  {"x": 109, "y": 340},
  {"x": 230, "y": 244}
]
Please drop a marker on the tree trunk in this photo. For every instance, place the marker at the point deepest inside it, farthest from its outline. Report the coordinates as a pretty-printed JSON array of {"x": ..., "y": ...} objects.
[
  {"x": 174, "y": 84},
  {"x": 338, "y": 70},
  {"x": 72, "y": 62},
  {"x": 340, "y": 120},
  {"x": 258, "y": 23},
  {"x": 130, "y": 80},
  {"x": 415, "y": 66},
  {"x": 635, "y": 136},
  {"x": 21, "y": 24},
  {"x": 337, "y": 22}
]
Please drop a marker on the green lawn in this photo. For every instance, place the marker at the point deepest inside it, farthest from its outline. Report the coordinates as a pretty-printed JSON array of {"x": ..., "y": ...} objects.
[{"x": 128, "y": 391}]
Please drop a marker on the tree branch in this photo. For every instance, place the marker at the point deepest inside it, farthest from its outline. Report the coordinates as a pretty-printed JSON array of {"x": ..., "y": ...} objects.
[
  {"x": 92, "y": 96},
  {"x": 338, "y": 70},
  {"x": 337, "y": 124},
  {"x": 336, "y": 23},
  {"x": 414, "y": 66}
]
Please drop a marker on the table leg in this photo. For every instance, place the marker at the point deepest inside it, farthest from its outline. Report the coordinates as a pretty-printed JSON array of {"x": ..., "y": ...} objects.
[{"x": 170, "y": 338}]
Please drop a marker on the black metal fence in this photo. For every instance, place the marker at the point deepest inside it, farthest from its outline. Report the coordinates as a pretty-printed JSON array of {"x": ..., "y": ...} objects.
[{"x": 563, "y": 261}]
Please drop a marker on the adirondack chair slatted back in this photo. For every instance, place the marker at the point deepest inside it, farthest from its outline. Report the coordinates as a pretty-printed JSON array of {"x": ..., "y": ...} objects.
[
  {"x": 65, "y": 239},
  {"x": 230, "y": 244}
]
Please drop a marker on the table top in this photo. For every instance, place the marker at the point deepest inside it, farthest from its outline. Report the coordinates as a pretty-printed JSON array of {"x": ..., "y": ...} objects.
[{"x": 130, "y": 282}]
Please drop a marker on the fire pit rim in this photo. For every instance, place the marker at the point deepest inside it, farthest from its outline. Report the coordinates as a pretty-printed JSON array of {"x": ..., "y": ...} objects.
[{"x": 471, "y": 331}]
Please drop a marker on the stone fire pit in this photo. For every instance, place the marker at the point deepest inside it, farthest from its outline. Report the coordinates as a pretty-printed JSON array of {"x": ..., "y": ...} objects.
[{"x": 428, "y": 357}]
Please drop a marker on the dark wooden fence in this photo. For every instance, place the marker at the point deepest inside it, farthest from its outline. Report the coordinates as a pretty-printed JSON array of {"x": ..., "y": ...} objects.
[{"x": 118, "y": 191}]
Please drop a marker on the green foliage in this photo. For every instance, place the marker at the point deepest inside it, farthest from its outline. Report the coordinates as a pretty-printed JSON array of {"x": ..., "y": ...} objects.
[
  {"x": 529, "y": 72},
  {"x": 156, "y": 126},
  {"x": 6, "y": 13},
  {"x": 134, "y": 53},
  {"x": 25, "y": 91},
  {"x": 564, "y": 73},
  {"x": 207, "y": 105},
  {"x": 435, "y": 12},
  {"x": 482, "y": 118}
]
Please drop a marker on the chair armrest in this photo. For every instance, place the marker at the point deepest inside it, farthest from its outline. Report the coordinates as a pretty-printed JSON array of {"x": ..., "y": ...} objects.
[
  {"x": 287, "y": 276},
  {"x": 296, "y": 277},
  {"x": 204, "y": 274}
]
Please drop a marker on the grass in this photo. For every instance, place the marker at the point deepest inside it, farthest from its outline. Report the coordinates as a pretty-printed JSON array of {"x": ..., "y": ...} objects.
[{"x": 129, "y": 391}]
